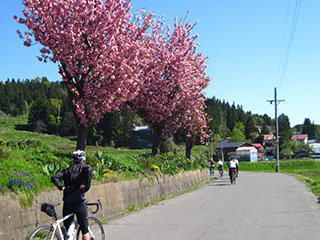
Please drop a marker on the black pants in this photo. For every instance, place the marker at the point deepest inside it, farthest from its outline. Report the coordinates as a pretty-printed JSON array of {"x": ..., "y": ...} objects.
[
  {"x": 230, "y": 172},
  {"x": 80, "y": 209}
]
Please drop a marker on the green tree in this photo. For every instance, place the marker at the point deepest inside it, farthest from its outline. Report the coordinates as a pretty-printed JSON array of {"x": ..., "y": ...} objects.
[
  {"x": 21, "y": 103},
  {"x": 41, "y": 110},
  {"x": 284, "y": 129},
  {"x": 213, "y": 111},
  {"x": 242, "y": 117},
  {"x": 68, "y": 125},
  {"x": 309, "y": 128},
  {"x": 115, "y": 126},
  {"x": 250, "y": 128},
  {"x": 265, "y": 129},
  {"x": 230, "y": 118},
  {"x": 267, "y": 119},
  {"x": 237, "y": 133}
]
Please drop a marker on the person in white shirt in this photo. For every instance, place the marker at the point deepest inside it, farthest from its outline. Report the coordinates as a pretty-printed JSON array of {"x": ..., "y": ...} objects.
[
  {"x": 220, "y": 167},
  {"x": 232, "y": 165}
]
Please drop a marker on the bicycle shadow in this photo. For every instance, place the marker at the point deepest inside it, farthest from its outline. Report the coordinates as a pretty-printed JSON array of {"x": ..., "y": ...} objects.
[{"x": 221, "y": 181}]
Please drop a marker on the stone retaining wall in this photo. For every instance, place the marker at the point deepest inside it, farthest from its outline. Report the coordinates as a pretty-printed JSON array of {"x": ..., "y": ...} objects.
[{"x": 16, "y": 222}]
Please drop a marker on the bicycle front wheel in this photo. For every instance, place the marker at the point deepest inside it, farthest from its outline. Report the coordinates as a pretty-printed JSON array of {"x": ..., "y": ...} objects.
[
  {"x": 95, "y": 229},
  {"x": 44, "y": 232}
]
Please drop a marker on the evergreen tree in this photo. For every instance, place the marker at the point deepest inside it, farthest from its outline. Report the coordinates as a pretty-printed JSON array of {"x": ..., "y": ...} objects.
[
  {"x": 41, "y": 110},
  {"x": 309, "y": 128},
  {"x": 250, "y": 127},
  {"x": 68, "y": 125},
  {"x": 242, "y": 117},
  {"x": 21, "y": 103},
  {"x": 213, "y": 111},
  {"x": 284, "y": 129},
  {"x": 267, "y": 119},
  {"x": 230, "y": 118},
  {"x": 265, "y": 129}
]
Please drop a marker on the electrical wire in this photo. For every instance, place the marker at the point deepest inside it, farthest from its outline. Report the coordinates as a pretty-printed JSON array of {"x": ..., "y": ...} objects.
[{"x": 292, "y": 33}]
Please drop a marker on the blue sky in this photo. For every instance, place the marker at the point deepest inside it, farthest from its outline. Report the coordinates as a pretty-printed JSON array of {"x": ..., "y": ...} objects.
[{"x": 246, "y": 41}]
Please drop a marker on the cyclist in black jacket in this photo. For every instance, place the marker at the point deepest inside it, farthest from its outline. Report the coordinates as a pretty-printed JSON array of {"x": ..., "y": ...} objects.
[{"x": 77, "y": 181}]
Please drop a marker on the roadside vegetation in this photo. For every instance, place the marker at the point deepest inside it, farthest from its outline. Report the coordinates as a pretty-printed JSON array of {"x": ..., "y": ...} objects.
[{"x": 29, "y": 159}]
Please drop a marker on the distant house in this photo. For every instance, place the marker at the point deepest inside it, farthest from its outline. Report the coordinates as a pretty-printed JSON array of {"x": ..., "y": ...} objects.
[
  {"x": 259, "y": 147},
  {"x": 268, "y": 143},
  {"x": 142, "y": 137},
  {"x": 247, "y": 154},
  {"x": 267, "y": 137},
  {"x": 228, "y": 149},
  {"x": 301, "y": 138},
  {"x": 269, "y": 127},
  {"x": 259, "y": 128}
]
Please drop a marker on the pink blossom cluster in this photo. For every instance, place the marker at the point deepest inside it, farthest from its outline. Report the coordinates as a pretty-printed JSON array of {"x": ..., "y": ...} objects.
[
  {"x": 98, "y": 45},
  {"x": 173, "y": 81},
  {"x": 109, "y": 57}
]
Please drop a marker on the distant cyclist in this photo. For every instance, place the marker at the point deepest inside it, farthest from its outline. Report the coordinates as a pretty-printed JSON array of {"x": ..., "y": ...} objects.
[
  {"x": 77, "y": 181},
  {"x": 212, "y": 165},
  {"x": 237, "y": 162},
  {"x": 232, "y": 167},
  {"x": 220, "y": 167}
]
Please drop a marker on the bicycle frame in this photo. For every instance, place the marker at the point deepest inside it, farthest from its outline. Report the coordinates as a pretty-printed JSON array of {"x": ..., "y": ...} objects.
[
  {"x": 57, "y": 223},
  {"x": 56, "y": 228}
]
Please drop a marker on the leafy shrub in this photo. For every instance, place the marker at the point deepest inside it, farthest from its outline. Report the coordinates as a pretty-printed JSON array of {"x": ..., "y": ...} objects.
[
  {"x": 43, "y": 157},
  {"x": 53, "y": 168},
  {"x": 125, "y": 163},
  {"x": 99, "y": 172},
  {"x": 164, "y": 148},
  {"x": 4, "y": 153},
  {"x": 145, "y": 160}
]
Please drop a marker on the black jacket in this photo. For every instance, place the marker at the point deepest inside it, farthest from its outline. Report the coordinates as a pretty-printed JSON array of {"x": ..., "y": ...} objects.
[{"x": 74, "y": 177}]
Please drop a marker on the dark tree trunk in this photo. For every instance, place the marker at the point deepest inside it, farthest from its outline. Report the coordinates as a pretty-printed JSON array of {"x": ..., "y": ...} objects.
[
  {"x": 157, "y": 139},
  {"x": 189, "y": 145},
  {"x": 81, "y": 137},
  {"x": 82, "y": 131}
]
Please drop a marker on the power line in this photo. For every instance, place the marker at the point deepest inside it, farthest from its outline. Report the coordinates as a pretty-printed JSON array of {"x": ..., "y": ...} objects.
[
  {"x": 292, "y": 33},
  {"x": 283, "y": 40}
]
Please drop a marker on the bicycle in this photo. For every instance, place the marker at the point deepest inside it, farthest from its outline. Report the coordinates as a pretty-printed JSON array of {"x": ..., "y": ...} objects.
[
  {"x": 57, "y": 232},
  {"x": 212, "y": 169},
  {"x": 220, "y": 171},
  {"x": 233, "y": 176}
]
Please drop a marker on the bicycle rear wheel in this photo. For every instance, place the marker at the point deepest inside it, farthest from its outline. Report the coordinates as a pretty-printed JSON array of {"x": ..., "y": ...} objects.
[
  {"x": 96, "y": 230},
  {"x": 44, "y": 232}
]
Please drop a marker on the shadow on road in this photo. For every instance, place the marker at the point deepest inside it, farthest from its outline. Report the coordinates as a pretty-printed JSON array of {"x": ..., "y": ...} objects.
[{"x": 221, "y": 181}]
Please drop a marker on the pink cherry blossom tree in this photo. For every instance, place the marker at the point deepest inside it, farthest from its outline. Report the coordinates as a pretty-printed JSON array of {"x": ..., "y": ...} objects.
[
  {"x": 173, "y": 80},
  {"x": 98, "y": 45},
  {"x": 195, "y": 125}
]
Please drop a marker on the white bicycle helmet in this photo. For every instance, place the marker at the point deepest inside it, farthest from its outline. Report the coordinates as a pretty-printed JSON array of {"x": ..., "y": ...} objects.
[{"x": 79, "y": 156}]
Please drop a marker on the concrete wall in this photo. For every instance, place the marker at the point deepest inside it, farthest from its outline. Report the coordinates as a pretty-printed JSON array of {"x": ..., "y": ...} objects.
[{"x": 16, "y": 222}]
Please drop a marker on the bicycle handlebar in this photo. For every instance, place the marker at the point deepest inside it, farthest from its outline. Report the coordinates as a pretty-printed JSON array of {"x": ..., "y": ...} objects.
[{"x": 98, "y": 204}]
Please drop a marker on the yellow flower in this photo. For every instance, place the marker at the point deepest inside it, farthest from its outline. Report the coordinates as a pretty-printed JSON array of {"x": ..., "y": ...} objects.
[{"x": 155, "y": 167}]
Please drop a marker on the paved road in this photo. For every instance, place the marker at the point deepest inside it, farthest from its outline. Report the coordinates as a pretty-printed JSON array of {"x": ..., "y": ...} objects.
[{"x": 260, "y": 206}]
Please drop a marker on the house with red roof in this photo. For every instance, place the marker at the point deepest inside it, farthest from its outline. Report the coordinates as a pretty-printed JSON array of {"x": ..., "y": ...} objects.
[
  {"x": 267, "y": 138},
  {"x": 301, "y": 138},
  {"x": 260, "y": 148}
]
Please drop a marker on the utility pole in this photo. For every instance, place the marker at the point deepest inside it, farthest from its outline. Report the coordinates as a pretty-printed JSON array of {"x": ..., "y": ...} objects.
[{"x": 276, "y": 102}]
